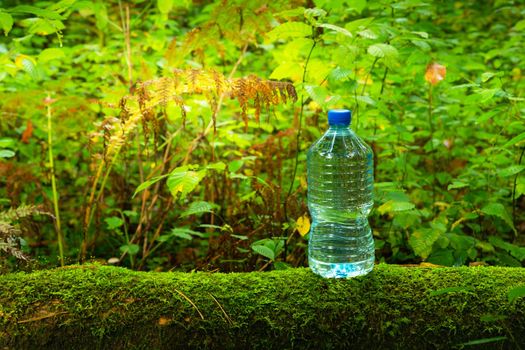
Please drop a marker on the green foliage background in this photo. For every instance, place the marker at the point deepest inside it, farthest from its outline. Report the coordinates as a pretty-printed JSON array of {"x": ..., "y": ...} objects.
[{"x": 450, "y": 188}]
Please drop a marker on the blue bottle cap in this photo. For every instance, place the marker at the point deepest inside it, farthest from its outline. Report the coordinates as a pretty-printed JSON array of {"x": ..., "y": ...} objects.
[{"x": 339, "y": 117}]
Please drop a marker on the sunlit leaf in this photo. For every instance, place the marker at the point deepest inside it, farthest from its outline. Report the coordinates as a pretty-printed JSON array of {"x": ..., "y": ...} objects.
[
  {"x": 164, "y": 6},
  {"x": 422, "y": 240},
  {"x": 6, "y": 22},
  {"x": 392, "y": 206},
  {"x": 44, "y": 13},
  {"x": 515, "y": 140},
  {"x": 335, "y": 28},
  {"x": 303, "y": 225},
  {"x": 6, "y": 153},
  {"x": 382, "y": 50},
  {"x": 50, "y": 54},
  {"x": 289, "y": 30},
  {"x": 182, "y": 181}
]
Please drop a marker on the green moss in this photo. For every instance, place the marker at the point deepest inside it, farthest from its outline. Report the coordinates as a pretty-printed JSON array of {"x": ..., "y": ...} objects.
[{"x": 393, "y": 307}]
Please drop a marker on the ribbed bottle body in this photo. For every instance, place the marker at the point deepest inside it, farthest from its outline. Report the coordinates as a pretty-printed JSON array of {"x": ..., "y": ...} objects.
[{"x": 340, "y": 197}]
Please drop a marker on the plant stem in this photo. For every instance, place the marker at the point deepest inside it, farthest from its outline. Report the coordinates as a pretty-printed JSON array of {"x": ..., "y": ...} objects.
[
  {"x": 60, "y": 238},
  {"x": 362, "y": 93},
  {"x": 432, "y": 156},
  {"x": 514, "y": 189},
  {"x": 298, "y": 139}
]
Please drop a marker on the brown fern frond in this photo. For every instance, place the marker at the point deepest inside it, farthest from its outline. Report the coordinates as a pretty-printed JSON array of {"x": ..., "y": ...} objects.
[
  {"x": 153, "y": 93},
  {"x": 23, "y": 211},
  {"x": 10, "y": 231}
]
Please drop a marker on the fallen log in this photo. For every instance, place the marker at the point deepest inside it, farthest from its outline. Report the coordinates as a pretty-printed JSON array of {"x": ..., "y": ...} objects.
[{"x": 90, "y": 307}]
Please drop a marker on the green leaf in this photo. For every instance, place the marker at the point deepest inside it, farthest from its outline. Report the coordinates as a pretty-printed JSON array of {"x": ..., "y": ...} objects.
[
  {"x": 489, "y": 75},
  {"x": 42, "y": 26},
  {"x": 335, "y": 28},
  {"x": 314, "y": 14},
  {"x": 443, "y": 257},
  {"x": 487, "y": 94},
  {"x": 484, "y": 341},
  {"x": 183, "y": 180},
  {"x": 340, "y": 74},
  {"x": 514, "y": 250},
  {"x": 6, "y": 153},
  {"x": 516, "y": 293},
  {"x": 359, "y": 24},
  {"x": 114, "y": 222},
  {"x": 424, "y": 35},
  {"x": 452, "y": 290},
  {"x": 289, "y": 30},
  {"x": 44, "y": 13},
  {"x": 264, "y": 251},
  {"x": 27, "y": 64},
  {"x": 367, "y": 34},
  {"x": 235, "y": 165},
  {"x": 7, "y": 142},
  {"x": 50, "y": 54},
  {"x": 219, "y": 166},
  {"x": 461, "y": 242},
  {"x": 287, "y": 70},
  {"x": 147, "y": 184},
  {"x": 6, "y": 22},
  {"x": 184, "y": 233},
  {"x": 422, "y": 240},
  {"x": 366, "y": 99},
  {"x": 321, "y": 95},
  {"x": 281, "y": 265},
  {"x": 520, "y": 25},
  {"x": 457, "y": 184},
  {"x": 298, "y": 11},
  {"x": 269, "y": 248},
  {"x": 498, "y": 210},
  {"x": 181, "y": 233},
  {"x": 515, "y": 140},
  {"x": 197, "y": 208},
  {"x": 382, "y": 50},
  {"x": 393, "y": 206},
  {"x": 131, "y": 249},
  {"x": 165, "y": 6},
  {"x": 511, "y": 170}
]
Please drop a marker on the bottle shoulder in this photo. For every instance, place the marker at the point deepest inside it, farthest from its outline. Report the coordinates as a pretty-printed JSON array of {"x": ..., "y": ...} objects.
[{"x": 340, "y": 142}]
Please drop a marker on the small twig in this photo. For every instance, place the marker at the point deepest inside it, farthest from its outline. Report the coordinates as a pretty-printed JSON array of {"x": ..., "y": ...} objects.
[
  {"x": 43, "y": 317},
  {"x": 222, "y": 309},
  {"x": 191, "y": 302}
]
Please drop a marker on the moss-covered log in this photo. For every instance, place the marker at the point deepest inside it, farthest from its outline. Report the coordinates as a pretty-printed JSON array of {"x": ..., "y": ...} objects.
[{"x": 393, "y": 307}]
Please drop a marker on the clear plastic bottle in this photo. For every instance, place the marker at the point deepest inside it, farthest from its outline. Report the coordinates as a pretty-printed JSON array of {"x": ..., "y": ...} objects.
[{"x": 340, "y": 197}]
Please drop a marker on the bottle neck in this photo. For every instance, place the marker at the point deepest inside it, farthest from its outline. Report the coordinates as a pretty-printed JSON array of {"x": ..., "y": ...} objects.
[{"x": 339, "y": 126}]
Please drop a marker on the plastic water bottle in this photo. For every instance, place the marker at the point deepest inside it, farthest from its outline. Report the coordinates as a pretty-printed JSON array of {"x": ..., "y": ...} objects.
[{"x": 340, "y": 197}]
